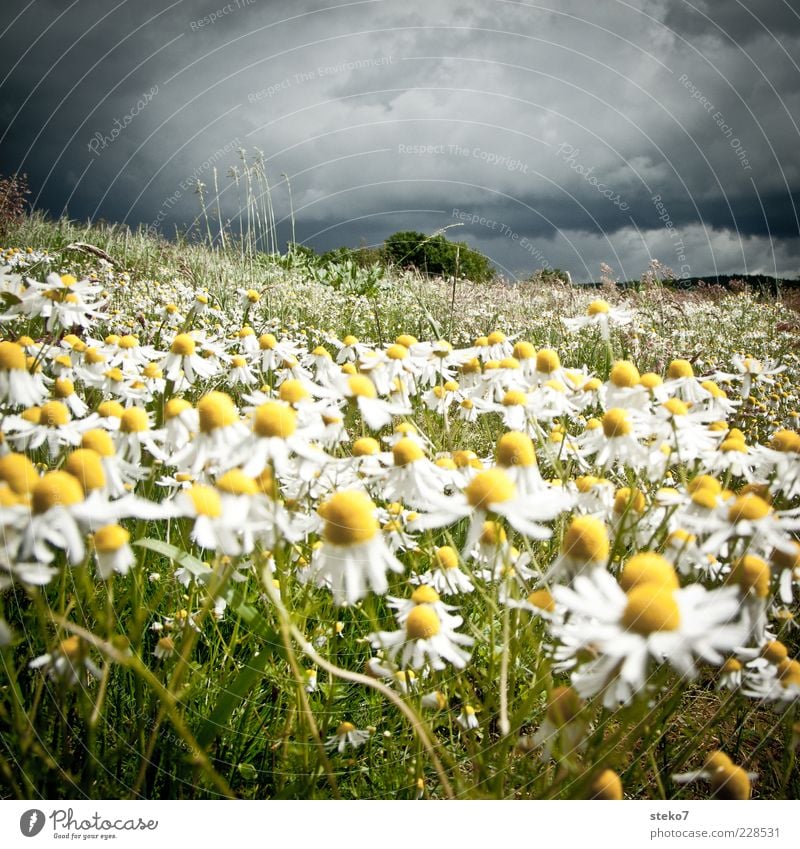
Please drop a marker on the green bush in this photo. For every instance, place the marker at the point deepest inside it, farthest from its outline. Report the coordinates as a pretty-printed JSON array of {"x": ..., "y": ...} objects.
[{"x": 438, "y": 256}]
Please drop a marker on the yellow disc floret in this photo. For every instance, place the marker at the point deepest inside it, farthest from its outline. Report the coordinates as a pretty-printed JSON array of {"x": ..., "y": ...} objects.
[
  {"x": 274, "y": 419},
  {"x": 422, "y": 623},
  {"x": 616, "y": 422},
  {"x": 492, "y": 486},
  {"x": 650, "y": 609},
  {"x": 349, "y": 518},
  {"x": 86, "y": 466},
  {"x": 647, "y": 567},
  {"x": 56, "y": 489},
  {"x": 110, "y": 538},
  {"x": 515, "y": 449},
  {"x": 216, "y": 409},
  {"x": 586, "y": 540}
]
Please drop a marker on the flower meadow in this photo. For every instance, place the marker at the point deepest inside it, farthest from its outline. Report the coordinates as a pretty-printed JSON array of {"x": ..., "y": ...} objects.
[{"x": 265, "y": 538}]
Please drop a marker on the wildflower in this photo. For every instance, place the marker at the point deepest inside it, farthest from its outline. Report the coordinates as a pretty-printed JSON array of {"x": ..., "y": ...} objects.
[
  {"x": 726, "y": 780},
  {"x": 425, "y": 638},
  {"x": 353, "y": 557},
  {"x": 69, "y": 663},
  {"x": 606, "y": 785},
  {"x": 468, "y": 719},
  {"x": 624, "y": 630},
  {"x": 112, "y": 552},
  {"x": 585, "y": 547},
  {"x": 347, "y": 735}
]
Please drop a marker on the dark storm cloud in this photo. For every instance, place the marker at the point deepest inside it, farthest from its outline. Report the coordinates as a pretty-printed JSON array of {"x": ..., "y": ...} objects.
[
  {"x": 735, "y": 20},
  {"x": 576, "y": 133}
]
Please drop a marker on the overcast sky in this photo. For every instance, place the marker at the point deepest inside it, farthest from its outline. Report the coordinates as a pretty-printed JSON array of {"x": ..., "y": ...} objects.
[{"x": 563, "y": 133}]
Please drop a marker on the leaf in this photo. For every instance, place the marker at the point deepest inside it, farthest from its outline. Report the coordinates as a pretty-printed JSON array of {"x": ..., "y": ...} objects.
[
  {"x": 233, "y": 696},
  {"x": 201, "y": 571}
]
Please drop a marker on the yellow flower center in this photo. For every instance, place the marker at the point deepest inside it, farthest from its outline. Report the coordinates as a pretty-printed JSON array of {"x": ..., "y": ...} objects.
[
  {"x": 524, "y": 350},
  {"x": 547, "y": 361},
  {"x": 53, "y": 414},
  {"x": 650, "y": 380},
  {"x": 774, "y": 651},
  {"x": 236, "y": 482},
  {"x": 274, "y": 420},
  {"x": 650, "y": 609},
  {"x": 292, "y": 391},
  {"x": 446, "y": 557},
  {"x": 406, "y": 451},
  {"x": 629, "y": 499},
  {"x": 349, "y": 518},
  {"x": 598, "y": 307},
  {"x": 406, "y": 340},
  {"x": 183, "y": 345},
  {"x": 789, "y": 673},
  {"x": 422, "y": 623},
  {"x": 56, "y": 489},
  {"x": 63, "y": 387},
  {"x": 606, "y": 785},
  {"x": 216, "y": 410},
  {"x": 752, "y": 574},
  {"x": 515, "y": 449},
  {"x": 366, "y": 446},
  {"x": 12, "y": 356},
  {"x": 624, "y": 374},
  {"x": 100, "y": 441},
  {"x": 647, "y": 567},
  {"x": 730, "y": 782},
  {"x": 680, "y": 368},
  {"x": 19, "y": 473},
  {"x": 110, "y": 409},
  {"x": 134, "y": 420},
  {"x": 206, "y": 500},
  {"x": 424, "y": 594},
  {"x": 616, "y": 422},
  {"x": 515, "y": 398},
  {"x": 785, "y": 440},
  {"x": 175, "y": 406},
  {"x": 397, "y": 352},
  {"x": 111, "y": 538},
  {"x": 127, "y": 342},
  {"x": 361, "y": 386},
  {"x": 492, "y": 486},
  {"x": 543, "y": 600},
  {"x": 748, "y": 507},
  {"x": 267, "y": 342},
  {"x": 586, "y": 540},
  {"x": 87, "y": 467},
  {"x": 350, "y": 340},
  {"x": 676, "y": 407},
  {"x": 492, "y": 534}
]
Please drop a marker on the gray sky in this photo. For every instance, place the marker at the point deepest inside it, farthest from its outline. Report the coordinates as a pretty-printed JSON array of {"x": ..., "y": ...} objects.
[{"x": 561, "y": 133}]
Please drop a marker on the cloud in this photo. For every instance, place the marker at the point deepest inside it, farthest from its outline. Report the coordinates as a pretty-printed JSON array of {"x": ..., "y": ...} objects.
[{"x": 578, "y": 129}]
